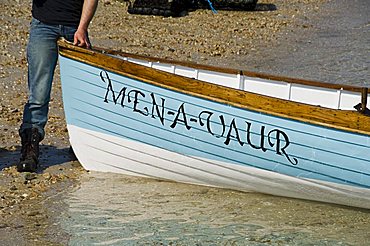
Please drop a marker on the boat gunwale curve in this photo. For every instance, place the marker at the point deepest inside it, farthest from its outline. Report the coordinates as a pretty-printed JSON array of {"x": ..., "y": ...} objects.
[{"x": 344, "y": 120}]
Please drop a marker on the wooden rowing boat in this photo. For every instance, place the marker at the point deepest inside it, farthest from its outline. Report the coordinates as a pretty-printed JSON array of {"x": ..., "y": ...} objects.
[{"x": 219, "y": 127}]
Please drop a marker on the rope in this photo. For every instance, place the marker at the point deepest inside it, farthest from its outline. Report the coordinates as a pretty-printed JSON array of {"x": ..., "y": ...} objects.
[{"x": 211, "y": 6}]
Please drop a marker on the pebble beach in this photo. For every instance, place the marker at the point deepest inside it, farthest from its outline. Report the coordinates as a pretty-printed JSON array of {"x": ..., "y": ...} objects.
[{"x": 229, "y": 38}]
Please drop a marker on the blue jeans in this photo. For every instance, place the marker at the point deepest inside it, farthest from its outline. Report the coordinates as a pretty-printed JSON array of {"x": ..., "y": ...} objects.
[{"x": 42, "y": 56}]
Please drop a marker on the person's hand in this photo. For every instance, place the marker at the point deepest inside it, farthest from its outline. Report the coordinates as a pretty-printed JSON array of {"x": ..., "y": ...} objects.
[{"x": 81, "y": 39}]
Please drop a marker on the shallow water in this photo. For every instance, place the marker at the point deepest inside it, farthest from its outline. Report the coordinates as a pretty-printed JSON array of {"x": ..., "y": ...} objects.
[
  {"x": 113, "y": 209},
  {"x": 109, "y": 209}
]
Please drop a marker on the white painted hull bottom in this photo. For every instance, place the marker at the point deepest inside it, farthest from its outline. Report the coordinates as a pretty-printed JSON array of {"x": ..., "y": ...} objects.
[{"x": 102, "y": 152}]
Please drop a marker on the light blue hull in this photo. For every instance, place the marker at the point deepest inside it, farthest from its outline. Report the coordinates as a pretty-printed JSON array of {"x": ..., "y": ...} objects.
[{"x": 205, "y": 137}]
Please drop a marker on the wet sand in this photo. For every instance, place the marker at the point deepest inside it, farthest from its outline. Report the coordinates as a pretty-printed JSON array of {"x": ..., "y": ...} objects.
[{"x": 29, "y": 204}]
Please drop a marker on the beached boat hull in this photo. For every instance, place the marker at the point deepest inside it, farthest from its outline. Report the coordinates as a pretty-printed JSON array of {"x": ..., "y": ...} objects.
[{"x": 120, "y": 121}]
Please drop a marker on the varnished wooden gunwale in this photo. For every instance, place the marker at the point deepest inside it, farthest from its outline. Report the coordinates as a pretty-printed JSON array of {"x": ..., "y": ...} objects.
[
  {"x": 351, "y": 121},
  {"x": 235, "y": 71}
]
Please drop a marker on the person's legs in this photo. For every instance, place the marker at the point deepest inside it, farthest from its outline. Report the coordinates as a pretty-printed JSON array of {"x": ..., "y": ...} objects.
[{"x": 42, "y": 54}]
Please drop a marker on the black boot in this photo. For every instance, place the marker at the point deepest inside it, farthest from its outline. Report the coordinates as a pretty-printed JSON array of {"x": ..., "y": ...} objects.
[{"x": 30, "y": 139}]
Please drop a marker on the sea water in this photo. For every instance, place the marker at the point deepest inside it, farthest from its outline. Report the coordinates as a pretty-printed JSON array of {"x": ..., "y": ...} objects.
[
  {"x": 111, "y": 209},
  {"x": 114, "y": 209}
]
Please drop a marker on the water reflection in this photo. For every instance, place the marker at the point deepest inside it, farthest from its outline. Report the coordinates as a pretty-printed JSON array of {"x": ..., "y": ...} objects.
[{"x": 113, "y": 209}]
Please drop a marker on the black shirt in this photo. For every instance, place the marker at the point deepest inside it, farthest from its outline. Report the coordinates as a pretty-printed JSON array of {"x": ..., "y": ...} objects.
[{"x": 58, "y": 12}]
